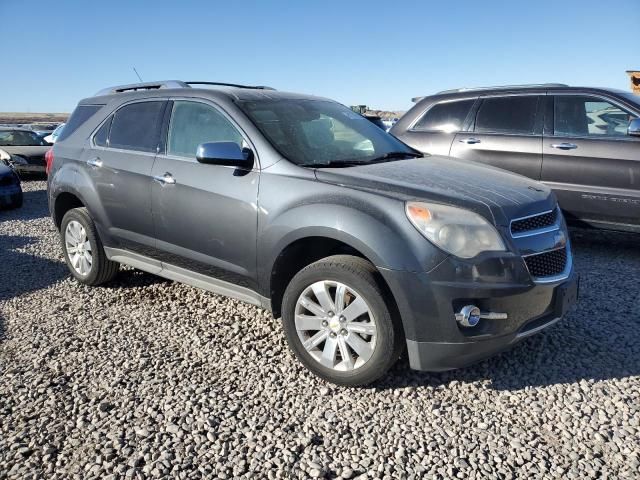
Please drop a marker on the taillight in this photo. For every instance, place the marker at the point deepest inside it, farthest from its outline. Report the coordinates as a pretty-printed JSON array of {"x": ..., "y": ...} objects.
[{"x": 48, "y": 158}]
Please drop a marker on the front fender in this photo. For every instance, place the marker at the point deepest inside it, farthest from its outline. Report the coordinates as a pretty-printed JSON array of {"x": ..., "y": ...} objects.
[{"x": 373, "y": 224}]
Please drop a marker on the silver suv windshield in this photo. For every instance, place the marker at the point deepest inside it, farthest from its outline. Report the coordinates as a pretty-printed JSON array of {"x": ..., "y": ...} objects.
[{"x": 320, "y": 133}]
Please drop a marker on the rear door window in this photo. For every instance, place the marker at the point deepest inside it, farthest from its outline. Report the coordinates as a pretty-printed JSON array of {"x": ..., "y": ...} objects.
[
  {"x": 514, "y": 115},
  {"x": 81, "y": 114},
  {"x": 102, "y": 135},
  {"x": 137, "y": 126},
  {"x": 445, "y": 117}
]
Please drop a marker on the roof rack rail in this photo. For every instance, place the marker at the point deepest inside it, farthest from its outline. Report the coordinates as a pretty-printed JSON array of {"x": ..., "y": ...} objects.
[
  {"x": 142, "y": 86},
  {"x": 236, "y": 85},
  {"x": 132, "y": 87},
  {"x": 503, "y": 87}
]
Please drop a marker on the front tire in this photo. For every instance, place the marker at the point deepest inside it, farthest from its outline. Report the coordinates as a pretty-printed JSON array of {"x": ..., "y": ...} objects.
[
  {"x": 83, "y": 250},
  {"x": 338, "y": 322}
]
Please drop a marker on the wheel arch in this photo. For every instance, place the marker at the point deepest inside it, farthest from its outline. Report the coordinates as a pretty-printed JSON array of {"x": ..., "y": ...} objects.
[
  {"x": 65, "y": 201},
  {"x": 306, "y": 250}
]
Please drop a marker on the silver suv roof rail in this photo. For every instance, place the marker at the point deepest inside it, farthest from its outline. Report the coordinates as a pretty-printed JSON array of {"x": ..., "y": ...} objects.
[
  {"x": 132, "y": 87},
  {"x": 142, "y": 86},
  {"x": 236, "y": 85},
  {"x": 503, "y": 87}
]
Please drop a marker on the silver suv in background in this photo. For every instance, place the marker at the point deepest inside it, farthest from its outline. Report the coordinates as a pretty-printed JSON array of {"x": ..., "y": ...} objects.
[{"x": 582, "y": 142}]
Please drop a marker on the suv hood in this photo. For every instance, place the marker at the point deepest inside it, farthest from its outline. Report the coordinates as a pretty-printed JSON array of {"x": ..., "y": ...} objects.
[{"x": 497, "y": 195}]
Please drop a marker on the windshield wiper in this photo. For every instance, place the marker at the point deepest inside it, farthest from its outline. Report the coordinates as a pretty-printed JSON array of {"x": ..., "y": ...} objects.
[
  {"x": 336, "y": 163},
  {"x": 395, "y": 156},
  {"x": 353, "y": 163}
]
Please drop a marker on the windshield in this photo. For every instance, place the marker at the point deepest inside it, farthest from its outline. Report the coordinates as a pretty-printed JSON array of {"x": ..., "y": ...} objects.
[
  {"x": 318, "y": 133},
  {"x": 19, "y": 138}
]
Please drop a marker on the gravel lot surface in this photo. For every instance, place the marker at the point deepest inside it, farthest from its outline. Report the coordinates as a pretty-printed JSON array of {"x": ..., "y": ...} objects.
[{"x": 146, "y": 378}]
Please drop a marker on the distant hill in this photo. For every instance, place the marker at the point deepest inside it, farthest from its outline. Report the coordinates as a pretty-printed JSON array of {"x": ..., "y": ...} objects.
[
  {"x": 385, "y": 114},
  {"x": 18, "y": 117}
]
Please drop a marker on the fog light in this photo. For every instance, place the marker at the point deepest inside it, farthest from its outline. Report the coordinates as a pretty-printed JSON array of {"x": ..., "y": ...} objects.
[{"x": 469, "y": 316}]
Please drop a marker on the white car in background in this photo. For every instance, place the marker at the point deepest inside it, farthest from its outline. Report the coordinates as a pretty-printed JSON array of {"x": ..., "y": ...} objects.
[{"x": 55, "y": 134}]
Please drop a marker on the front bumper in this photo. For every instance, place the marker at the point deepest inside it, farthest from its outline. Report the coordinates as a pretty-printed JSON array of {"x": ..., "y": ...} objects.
[{"x": 427, "y": 303}]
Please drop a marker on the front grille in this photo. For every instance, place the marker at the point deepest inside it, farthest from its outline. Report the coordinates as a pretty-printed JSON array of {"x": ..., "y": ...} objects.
[
  {"x": 536, "y": 222},
  {"x": 547, "y": 264}
]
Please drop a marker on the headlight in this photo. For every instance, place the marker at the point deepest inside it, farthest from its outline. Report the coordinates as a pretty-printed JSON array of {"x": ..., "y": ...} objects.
[
  {"x": 455, "y": 230},
  {"x": 4, "y": 156}
]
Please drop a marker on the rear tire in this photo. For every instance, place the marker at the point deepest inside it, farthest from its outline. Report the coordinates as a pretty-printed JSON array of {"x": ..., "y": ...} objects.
[
  {"x": 348, "y": 334},
  {"x": 83, "y": 249}
]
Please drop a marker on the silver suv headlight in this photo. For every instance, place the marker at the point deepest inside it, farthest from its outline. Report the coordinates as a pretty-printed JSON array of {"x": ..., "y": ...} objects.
[{"x": 455, "y": 230}]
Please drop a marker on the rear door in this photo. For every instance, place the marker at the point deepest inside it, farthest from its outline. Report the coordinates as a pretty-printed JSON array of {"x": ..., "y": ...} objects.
[
  {"x": 120, "y": 162},
  {"x": 435, "y": 129},
  {"x": 206, "y": 216},
  {"x": 506, "y": 132},
  {"x": 590, "y": 161}
]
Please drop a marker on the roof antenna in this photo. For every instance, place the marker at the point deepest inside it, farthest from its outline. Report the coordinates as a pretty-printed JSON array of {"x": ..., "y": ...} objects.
[{"x": 139, "y": 77}]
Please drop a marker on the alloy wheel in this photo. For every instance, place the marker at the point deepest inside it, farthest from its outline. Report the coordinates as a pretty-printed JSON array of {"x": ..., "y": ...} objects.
[
  {"x": 78, "y": 247},
  {"x": 335, "y": 325}
]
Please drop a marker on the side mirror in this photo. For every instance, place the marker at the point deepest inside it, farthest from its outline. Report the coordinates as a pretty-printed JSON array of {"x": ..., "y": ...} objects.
[
  {"x": 224, "y": 153},
  {"x": 634, "y": 128}
]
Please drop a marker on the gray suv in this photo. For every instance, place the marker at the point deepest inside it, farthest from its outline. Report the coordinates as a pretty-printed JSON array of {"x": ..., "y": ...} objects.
[
  {"x": 584, "y": 143},
  {"x": 301, "y": 206}
]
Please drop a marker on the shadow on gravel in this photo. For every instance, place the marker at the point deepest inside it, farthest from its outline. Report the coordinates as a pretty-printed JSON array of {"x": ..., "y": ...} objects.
[
  {"x": 23, "y": 272},
  {"x": 599, "y": 340},
  {"x": 131, "y": 278}
]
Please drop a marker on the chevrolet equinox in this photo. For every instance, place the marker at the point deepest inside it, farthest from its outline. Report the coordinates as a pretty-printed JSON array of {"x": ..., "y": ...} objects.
[{"x": 361, "y": 244}]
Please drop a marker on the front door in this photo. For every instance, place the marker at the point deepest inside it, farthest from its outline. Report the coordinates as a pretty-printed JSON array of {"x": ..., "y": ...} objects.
[
  {"x": 591, "y": 162},
  {"x": 506, "y": 133},
  {"x": 205, "y": 216}
]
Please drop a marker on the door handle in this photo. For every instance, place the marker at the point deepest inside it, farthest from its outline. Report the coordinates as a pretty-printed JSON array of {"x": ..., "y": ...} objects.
[
  {"x": 469, "y": 141},
  {"x": 564, "y": 146},
  {"x": 166, "y": 179},
  {"x": 94, "y": 162}
]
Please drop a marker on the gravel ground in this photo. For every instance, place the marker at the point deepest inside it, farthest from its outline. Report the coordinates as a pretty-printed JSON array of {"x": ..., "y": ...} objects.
[{"x": 146, "y": 378}]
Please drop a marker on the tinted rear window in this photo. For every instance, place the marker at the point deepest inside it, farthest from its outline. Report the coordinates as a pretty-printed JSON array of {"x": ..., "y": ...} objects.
[
  {"x": 137, "y": 126},
  {"x": 445, "y": 117},
  {"x": 81, "y": 114},
  {"x": 515, "y": 115}
]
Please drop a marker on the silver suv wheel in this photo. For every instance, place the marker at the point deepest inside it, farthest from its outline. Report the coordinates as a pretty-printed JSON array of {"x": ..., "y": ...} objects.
[
  {"x": 78, "y": 247},
  {"x": 335, "y": 325}
]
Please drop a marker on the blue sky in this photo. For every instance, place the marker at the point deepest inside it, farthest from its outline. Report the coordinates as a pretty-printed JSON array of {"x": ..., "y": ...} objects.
[{"x": 379, "y": 53}]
